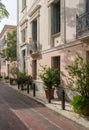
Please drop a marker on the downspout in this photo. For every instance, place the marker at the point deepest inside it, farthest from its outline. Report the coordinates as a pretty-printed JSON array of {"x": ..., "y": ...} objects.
[
  {"x": 64, "y": 22},
  {"x": 17, "y": 33}
]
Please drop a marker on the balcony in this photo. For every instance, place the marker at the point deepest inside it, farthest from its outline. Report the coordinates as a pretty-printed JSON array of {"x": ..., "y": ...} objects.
[
  {"x": 82, "y": 27},
  {"x": 34, "y": 49}
]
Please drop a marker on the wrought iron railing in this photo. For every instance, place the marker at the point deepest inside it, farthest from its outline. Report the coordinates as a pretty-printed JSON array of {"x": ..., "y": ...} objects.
[
  {"x": 35, "y": 47},
  {"x": 82, "y": 24}
]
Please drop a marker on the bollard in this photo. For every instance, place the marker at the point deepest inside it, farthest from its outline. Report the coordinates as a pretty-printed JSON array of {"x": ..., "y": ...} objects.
[
  {"x": 49, "y": 99},
  {"x": 34, "y": 90},
  {"x": 22, "y": 86},
  {"x": 18, "y": 85},
  {"x": 63, "y": 100},
  {"x": 28, "y": 88}
]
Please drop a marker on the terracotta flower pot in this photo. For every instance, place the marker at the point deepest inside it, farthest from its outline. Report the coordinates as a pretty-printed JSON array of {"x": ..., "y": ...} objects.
[{"x": 51, "y": 93}]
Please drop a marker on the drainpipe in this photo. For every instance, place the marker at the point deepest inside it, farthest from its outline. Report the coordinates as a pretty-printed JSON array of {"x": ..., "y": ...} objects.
[
  {"x": 17, "y": 33},
  {"x": 64, "y": 21}
]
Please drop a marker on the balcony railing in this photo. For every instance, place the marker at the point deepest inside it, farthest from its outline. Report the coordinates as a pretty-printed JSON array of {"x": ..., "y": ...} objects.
[
  {"x": 34, "y": 47},
  {"x": 82, "y": 25}
]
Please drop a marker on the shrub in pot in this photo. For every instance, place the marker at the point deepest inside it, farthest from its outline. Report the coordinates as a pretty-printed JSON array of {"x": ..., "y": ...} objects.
[
  {"x": 79, "y": 81},
  {"x": 21, "y": 79},
  {"x": 50, "y": 77},
  {"x": 13, "y": 81},
  {"x": 0, "y": 77},
  {"x": 80, "y": 105},
  {"x": 7, "y": 79},
  {"x": 29, "y": 80}
]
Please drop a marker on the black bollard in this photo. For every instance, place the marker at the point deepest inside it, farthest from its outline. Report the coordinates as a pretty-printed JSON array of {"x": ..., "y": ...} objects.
[
  {"x": 63, "y": 100},
  {"x": 18, "y": 85},
  {"x": 22, "y": 86},
  {"x": 28, "y": 88},
  {"x": 49, "y": 99},
  {"x": 34, "y": 90}
]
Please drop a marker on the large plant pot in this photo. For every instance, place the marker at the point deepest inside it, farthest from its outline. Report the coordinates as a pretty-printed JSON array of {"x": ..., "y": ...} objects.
[{"x": 51, "y": 93}]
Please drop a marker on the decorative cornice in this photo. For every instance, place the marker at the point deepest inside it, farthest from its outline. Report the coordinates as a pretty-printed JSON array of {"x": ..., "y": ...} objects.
[
  {"x": 23, "y": 21},
  {"x": 33, "y": 10},
  {"x": 60, "y": 47}
]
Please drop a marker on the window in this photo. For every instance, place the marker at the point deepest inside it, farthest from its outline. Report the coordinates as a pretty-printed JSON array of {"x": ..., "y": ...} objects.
[
  {"x": 34, "y": 34},
  {"x": 55, "y": 18},
  {"x": 87, "y": 5},
  {"x": 55, "y": 63},
  {"x": 34, "y": 31},
  {"x": 23, "y": 35},
  {"x": 34, "y": 69},
  {"x": 23, "y": 55},
  {"x": 23, "y": 4}
]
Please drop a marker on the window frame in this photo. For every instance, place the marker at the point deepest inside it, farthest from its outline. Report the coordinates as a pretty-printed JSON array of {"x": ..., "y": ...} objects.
[
  {"x": 23, "y": 4},
  {"x": 23, "y": 35},
  {"x": 55, "y": 27}
]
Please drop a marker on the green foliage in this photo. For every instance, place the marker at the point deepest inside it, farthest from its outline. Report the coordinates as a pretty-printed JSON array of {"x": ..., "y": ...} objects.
[
  {"x": 9, "y": 53},
  {"x": 7, "y": 78},
  {"x": 23, "y": 78},
  {"x": 79, "y": 76},
  {"x": 50, "y": 76},
  {"x": 13, "y": 81},
  {"x": 29, "y": 79},
  {"x": 80, "y": 104},
  {"x": 0, "y": 77},
  {"x": 3, "y": 12}
]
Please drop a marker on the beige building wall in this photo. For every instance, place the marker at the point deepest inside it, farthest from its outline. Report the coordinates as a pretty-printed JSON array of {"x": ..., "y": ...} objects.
[
  {"x": 63, "y": 44},
  {"x": 4, "y": 64}
]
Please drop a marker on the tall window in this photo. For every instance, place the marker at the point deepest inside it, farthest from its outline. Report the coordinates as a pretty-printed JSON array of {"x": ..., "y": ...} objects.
[
  {"x": 55, "y": 18},
  {"x": 87, "y": 5},
  {"x": 23, "y": 55},
  {"x": 23, "y": 4},
  {"x": 55, "y": 63},
  {"x": 34, "y": 69},
  {"x": 23, "y": 35},
  {"x": 34, "y": 34}
]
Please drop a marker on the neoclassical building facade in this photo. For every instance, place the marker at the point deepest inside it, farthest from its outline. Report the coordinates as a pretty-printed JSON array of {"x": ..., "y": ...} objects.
[
  {"x": 52, "y": 33},
  {"x": 4, "y": 64}
]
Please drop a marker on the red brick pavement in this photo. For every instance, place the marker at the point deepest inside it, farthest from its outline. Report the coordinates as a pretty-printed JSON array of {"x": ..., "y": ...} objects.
[{"x": 19, "y": 112}]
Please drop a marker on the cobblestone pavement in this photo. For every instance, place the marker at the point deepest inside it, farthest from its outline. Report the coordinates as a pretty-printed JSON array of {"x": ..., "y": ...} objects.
[{"x": 19, "y": 112}]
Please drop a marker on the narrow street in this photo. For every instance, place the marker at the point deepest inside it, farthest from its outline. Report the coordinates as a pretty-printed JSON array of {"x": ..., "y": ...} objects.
[{"x": 18, "y": 112}]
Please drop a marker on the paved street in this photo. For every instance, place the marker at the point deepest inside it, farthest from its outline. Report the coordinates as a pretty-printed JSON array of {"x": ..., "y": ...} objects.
[{"x": 19, "y": 112}]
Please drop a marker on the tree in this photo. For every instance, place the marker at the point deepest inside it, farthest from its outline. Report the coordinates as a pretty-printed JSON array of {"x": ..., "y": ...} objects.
[
  {"x": 3, "y": 12},
  {"x": 9, "y": 53},
  {"x": 78, "y": 78}
]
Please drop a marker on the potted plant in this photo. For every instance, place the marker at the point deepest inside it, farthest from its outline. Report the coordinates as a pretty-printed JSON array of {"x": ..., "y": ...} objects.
[
  {"x": 78, "y": 80},
  {"x": 50, "y": 77},
  {"x": 7, "y": 79},
  {"x": 21, "y": 79},
  {"x": 0, "y": 77}
]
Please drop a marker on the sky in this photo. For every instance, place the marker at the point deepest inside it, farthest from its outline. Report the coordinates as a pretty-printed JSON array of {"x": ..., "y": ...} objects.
[{"x": 11, "y": 6}]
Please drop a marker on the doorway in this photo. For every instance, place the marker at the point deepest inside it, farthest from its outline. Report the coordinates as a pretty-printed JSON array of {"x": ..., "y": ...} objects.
[{"x": 34, "y": 69}]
